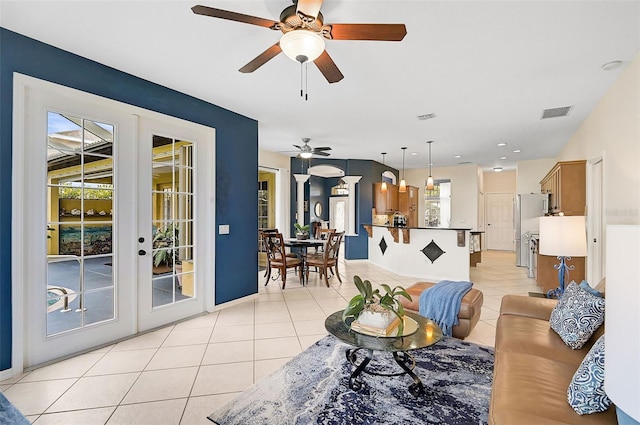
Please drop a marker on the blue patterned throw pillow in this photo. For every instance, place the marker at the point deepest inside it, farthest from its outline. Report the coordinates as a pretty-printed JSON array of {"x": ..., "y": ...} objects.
[
  {"x": 586, "y": 391},
  {"x": 577, "y": 316}
]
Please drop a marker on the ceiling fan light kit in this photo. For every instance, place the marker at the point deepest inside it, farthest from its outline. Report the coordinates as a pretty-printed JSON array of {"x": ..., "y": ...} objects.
[
  {"x": 304, "y": 34},
  {"x": 302, "y": 45}
]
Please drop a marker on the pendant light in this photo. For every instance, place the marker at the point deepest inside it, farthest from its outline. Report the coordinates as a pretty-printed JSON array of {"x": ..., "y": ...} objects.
[
  {"x": 430, "y": 179},
  {"x": 383, "y": 187},
  {"x": 403, "y": 184}
]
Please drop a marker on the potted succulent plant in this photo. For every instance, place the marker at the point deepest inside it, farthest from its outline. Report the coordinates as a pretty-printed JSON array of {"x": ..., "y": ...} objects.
[
  {"x": 302, "y": 231},
  {"x": 374, "y": 308}
]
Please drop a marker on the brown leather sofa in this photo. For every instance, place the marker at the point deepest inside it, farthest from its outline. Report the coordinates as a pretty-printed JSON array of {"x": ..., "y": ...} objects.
[
  {"x": 533, "y": 368},
  {"x": 468, "y": 315}
]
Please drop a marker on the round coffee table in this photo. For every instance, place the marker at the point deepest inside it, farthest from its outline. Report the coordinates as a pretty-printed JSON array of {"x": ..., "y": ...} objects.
[{"x": 428, "y": 333}]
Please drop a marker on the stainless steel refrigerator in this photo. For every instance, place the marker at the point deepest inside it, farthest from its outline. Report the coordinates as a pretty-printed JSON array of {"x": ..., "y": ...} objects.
[{"x": 528, "y": 208}]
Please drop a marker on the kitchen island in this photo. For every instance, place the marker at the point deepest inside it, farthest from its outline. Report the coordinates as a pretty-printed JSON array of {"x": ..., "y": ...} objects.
[{"x": 427, "y": 253}]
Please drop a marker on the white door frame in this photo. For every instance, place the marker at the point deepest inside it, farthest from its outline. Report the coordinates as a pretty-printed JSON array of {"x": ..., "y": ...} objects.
[{"x": 21, "y": 224}]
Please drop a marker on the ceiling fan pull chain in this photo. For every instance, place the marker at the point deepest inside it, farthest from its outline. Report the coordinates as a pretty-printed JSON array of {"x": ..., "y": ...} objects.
[
  {"x": 301, "y": 84},
  {"x": 306, "y": 81}
]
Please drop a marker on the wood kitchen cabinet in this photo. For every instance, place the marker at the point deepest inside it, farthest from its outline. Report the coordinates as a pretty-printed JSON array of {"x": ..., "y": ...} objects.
[
  {"x": 385, "y": 203},
  {"x": 408, "y": 205},
  {"x": 567, "y": 185}
]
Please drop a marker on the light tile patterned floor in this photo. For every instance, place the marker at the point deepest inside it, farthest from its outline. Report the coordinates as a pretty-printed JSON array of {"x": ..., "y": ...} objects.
[{"x": 181, "y": 373}]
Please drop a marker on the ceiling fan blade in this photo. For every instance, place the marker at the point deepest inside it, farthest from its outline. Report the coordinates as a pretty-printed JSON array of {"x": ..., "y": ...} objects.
[
  {"x": 379, "y": 32},
  {"x": 328, "y": 68},
  {"x": 262, "y": 58},
  {"x": 324, "y": 148},
  {"x": 296, "y": 146},
  {"x": 234, "y": 16},
  {"x": 309, "y": 7},
  {"x": 321, "y": 153}
]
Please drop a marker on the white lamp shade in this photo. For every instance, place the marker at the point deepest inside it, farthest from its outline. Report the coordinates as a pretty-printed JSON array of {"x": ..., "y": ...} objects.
[
  {"x": 563, "y": 236},
  {"x": 302, "y": 45}
]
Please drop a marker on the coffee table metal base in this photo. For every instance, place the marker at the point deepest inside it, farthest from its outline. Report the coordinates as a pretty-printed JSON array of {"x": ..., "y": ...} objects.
[{"x": 404, "y": 360}]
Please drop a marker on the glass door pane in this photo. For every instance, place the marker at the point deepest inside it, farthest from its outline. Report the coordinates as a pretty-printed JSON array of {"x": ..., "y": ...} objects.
[
  {"x": 172, "y": 221},
  {"x": 80, "y": 285}
]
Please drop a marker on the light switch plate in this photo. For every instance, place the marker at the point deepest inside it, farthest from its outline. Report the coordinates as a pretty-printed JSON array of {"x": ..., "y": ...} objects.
[{"x": 223, "y": 229}]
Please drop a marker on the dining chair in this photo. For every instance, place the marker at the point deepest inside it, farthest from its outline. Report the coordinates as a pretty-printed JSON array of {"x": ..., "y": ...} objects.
[
  {"x": 278, "y": 258},
  {"x": 324, "y": 235},
  {"x": 327, "y": 260},
  {"x": 262, "y": 247}
]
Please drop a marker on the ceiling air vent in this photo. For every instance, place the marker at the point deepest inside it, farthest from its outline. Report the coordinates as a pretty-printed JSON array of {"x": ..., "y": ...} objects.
[
  {"x": 426, "y": 117},
  {"x": 556, "y": 112}
]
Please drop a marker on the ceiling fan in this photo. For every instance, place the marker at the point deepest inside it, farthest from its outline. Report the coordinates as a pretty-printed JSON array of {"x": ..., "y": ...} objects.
[
  {"x": 304, "y": 32},
  {"x": 307, "y": 151}
]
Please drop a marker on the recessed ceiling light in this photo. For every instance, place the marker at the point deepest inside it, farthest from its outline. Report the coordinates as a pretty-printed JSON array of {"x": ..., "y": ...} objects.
[
  {"x": 414, "y": 153},
  {"x": 426, "y": 117},
  {"x": 457, "y": 156},
  {"x": 497, "y": 169},
  {"x": 517, "y": 150},
  {"x": 503, "y": 157},
  {"x": 502, "y": 144},
  {"x": 610, "y": 66}
]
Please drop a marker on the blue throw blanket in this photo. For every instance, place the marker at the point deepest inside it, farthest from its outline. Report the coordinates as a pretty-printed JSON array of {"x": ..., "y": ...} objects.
[
  {"x": 441, "y": 303},
  {"x": 9, "y": 414}
]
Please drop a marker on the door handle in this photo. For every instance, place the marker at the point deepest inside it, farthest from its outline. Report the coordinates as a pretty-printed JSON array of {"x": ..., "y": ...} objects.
[{"x": 142, "y": 252}]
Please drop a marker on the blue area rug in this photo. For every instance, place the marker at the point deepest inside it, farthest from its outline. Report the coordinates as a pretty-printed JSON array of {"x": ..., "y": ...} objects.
[
  {"x": 9, "y": 414},
  {"x": 313, "y": 389}
]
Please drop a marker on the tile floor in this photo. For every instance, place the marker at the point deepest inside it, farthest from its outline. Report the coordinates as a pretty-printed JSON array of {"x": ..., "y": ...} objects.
[{"x": 181, "y": 373}]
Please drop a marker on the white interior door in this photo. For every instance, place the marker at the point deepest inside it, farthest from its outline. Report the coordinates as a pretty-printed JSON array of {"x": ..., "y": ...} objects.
[
  {"x": 71, "y": 244},
  {"x": 500, "y": 221},
  {"x": 174, "y": 216}
]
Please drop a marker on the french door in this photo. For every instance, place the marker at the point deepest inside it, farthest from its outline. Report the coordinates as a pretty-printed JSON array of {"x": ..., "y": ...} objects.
[
  {"x": 101, "y": 190},
  {"x": 172, "y": 215}
]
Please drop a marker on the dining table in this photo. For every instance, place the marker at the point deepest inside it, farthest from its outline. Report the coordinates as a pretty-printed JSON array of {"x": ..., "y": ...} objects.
[{"x": 300, "y": 246}]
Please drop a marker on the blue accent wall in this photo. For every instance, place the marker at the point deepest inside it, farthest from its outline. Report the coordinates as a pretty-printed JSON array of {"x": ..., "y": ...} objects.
[
  {"x": 356, "y": 247},
  {"x": 236, "y": 158}
]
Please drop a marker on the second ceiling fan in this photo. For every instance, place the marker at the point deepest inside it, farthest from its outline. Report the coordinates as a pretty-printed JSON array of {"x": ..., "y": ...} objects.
[{"x": 304, "y": 33}]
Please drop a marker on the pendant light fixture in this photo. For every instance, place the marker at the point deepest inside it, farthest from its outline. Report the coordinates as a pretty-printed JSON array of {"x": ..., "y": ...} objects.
[
  {"x": 430, "y": 178},
  {"x": 383, "y": 187},
  {"x": 403, "y": 184}
]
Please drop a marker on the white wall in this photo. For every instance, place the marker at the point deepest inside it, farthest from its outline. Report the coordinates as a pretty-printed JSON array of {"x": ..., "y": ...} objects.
[
  {"x": 613, "y": 130},
  {"x": 464, "y": 192},
  {"x": 529, "y": 174}
]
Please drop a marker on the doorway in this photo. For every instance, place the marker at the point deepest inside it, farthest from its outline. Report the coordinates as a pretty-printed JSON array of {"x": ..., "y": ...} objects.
[
  {"x": 83, "y": 170},
  {"x": 595, "y": 224}
]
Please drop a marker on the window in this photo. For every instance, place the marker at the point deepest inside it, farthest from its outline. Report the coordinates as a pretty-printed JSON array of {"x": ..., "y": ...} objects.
[{"x": 438, "y": 204}]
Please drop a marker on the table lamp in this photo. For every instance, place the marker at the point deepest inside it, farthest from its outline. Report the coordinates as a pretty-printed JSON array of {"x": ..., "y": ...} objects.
[{"x": 564, "y": 237}]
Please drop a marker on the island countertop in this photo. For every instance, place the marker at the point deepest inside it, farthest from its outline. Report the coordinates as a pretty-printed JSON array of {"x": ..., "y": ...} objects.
[
  {"x": 427, "y": 253},
  {"x": 418, "y": 227}
]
